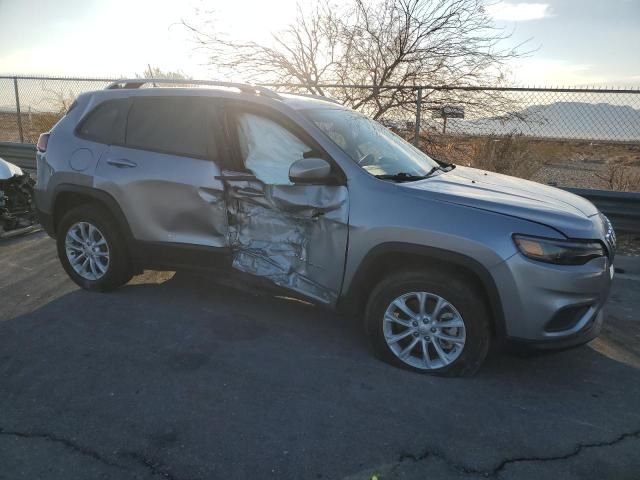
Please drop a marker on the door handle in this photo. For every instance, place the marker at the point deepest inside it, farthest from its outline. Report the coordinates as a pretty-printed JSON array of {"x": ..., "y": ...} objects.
[{"x": 122, "y": 163}]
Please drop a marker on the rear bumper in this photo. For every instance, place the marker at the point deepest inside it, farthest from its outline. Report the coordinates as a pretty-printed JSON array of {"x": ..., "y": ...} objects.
[{"x": 46, "y": 221}]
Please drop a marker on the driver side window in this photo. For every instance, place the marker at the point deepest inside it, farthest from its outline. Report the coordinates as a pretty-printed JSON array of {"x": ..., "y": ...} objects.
[{"x": 268, "y": 149}]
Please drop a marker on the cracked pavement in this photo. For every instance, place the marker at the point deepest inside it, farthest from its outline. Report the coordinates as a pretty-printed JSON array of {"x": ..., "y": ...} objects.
[{"x": 177, "y": 377}]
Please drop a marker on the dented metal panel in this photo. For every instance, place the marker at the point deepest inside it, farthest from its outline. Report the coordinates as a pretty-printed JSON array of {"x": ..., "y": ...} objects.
[
  {"x": 166, "y": 198},
  {"x": 293, "y": 235}
]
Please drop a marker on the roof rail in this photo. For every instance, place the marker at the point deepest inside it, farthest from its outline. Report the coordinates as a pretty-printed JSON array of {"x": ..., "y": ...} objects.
[
  {"x": 317, "y": 97},
  {"x": 243, "y": 87}
]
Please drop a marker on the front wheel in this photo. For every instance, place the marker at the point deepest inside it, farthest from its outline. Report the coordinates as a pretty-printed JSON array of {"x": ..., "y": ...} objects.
[{"x": 432, "y": 322}]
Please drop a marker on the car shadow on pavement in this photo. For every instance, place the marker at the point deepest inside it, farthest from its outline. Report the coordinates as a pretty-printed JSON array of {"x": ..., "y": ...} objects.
[{"x": 188, "y": 379}]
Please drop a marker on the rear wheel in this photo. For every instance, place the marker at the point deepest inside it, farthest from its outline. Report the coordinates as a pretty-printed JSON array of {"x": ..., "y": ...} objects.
[
  {"x": 429, "y": 322},
  {"x": 92, "y": 249}
]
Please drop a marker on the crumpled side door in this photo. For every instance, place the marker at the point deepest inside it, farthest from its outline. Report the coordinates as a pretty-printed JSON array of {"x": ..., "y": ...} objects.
[{"x": 292, "y": 235}]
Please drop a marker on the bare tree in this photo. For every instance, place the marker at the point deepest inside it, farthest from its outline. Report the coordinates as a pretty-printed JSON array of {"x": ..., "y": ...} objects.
[
  {"x": 305, "y": 53},
  {"x": 45, "y": 112},
  {"x": 382, "y": 43}
]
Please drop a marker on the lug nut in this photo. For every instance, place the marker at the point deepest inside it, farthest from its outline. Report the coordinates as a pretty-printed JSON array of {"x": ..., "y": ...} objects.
[
  {"x": 433, "y": 330},
  {"x": 415, "y": 324},
  {"x": 415, "y": 334}
]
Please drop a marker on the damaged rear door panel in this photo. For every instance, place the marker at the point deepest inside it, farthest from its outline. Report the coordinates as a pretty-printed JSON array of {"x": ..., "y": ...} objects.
[
  {"x": 293, "y": 235},
  {"x": 164, "y": 172}
]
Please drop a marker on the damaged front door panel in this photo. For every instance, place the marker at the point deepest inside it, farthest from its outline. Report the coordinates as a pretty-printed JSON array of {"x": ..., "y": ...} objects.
[{"x": 293, "y": 235}]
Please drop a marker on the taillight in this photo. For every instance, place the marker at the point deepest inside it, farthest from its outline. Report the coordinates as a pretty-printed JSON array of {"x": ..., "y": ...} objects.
[{"x": 43, "y": 141}]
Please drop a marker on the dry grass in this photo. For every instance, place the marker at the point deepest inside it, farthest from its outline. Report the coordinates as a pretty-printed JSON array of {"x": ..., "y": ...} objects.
[
  {"x": 621, "y": 177},
  {"x": 33, "y": 124},
  {"x": 575, "y": 163},
  {"x": 510, "y": 155}
]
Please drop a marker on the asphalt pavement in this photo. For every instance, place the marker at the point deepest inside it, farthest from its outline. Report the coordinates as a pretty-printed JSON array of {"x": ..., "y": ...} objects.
[{"x": 178, "y": 377}]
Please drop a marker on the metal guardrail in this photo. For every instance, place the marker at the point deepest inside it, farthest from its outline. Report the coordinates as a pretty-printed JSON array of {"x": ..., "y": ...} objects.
[
  {"x": 20, "y": 154},
  {"x": 622, "y": 208}
]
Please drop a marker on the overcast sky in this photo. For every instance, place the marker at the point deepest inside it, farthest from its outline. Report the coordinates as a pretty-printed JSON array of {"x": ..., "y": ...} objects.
[{"x": 578, "y": 42}]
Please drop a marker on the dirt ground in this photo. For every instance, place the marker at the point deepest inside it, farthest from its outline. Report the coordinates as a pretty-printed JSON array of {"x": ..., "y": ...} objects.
[
  {"x": 33, "y": 124},
  {"x": 629, "y": 244},
  {"x": 176, "y": 376}
]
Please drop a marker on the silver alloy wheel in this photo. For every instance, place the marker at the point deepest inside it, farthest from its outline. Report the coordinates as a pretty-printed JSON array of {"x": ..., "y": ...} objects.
[
  {"x": 87, "y": 250},
  {"x": 424, "y": 330}
]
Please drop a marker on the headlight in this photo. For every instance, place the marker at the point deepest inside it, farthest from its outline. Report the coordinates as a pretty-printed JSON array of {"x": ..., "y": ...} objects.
[{"x": 560, "y": 252}]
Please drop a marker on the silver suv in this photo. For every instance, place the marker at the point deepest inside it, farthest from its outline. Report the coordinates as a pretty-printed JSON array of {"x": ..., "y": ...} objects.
[{"x": 301, "y": 194}]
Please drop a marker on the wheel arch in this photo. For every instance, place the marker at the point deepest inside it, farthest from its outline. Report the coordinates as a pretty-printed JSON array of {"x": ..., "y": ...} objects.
[
  {"x": 393, "y": 256},
  {"x": 67, "y": 196}
]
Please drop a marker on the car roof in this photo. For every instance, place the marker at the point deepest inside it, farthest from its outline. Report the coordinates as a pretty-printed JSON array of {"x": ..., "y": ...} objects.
[
  {"x": 132, "y": 87},
  {"x": 302, "y": 101}
]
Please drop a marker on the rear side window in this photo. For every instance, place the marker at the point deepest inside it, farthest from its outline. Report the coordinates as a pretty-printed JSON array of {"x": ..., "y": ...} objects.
[
  {"x": 106, "y": 123},
  {"x": 182, "y": 125}
]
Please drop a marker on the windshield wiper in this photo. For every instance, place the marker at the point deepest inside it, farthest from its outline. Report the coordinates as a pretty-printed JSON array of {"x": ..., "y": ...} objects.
[
  {"x": 401, "y": 177},
  {"x": 447, "y": 167},
  {"x": 407, "y": 177}
]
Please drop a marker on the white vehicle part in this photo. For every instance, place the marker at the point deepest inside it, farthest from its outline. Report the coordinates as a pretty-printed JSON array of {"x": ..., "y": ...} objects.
[
  {"x": 16, "y": 201},
  {"x": 8, "y": 170},
  {"x": 268, "y": 149},
  {"x": 293, "y": 235}
]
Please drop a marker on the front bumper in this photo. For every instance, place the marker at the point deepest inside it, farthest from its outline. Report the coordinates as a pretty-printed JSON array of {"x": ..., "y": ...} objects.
[
  {"x": 590, "y": 331},
  {"x": 553, "y": 306}
]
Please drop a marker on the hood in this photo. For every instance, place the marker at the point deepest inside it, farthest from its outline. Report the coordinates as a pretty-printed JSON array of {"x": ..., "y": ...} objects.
[
  {"x": 8, "y": 170},
  {"x": 558, "y": 209}
]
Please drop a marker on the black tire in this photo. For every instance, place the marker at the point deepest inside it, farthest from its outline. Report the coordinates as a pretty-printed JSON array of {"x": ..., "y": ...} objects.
[
  {"x": 458, "y": 292},
  {"x": 119, "y": 270}
]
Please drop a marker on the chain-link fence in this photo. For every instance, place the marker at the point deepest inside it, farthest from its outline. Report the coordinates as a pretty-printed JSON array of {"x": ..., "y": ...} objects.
[
  {"x": 550, "y": 113},
  {"x": 30, "y": 106},
  {"x": 571, "y": 137},
  {"x": 582, "y": 137},
  {"x": 576, "y": 114}
]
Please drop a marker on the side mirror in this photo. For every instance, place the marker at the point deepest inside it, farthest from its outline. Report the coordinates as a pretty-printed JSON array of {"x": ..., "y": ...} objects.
[{"x": 309, "y": 170}]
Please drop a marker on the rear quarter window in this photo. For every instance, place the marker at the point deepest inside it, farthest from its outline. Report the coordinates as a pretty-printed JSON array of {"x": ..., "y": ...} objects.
[{"x": 106, "y": 123}]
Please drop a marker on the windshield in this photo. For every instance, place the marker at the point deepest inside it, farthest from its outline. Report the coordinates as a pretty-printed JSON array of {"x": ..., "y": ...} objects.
[{"x": 371, "y": 145}]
